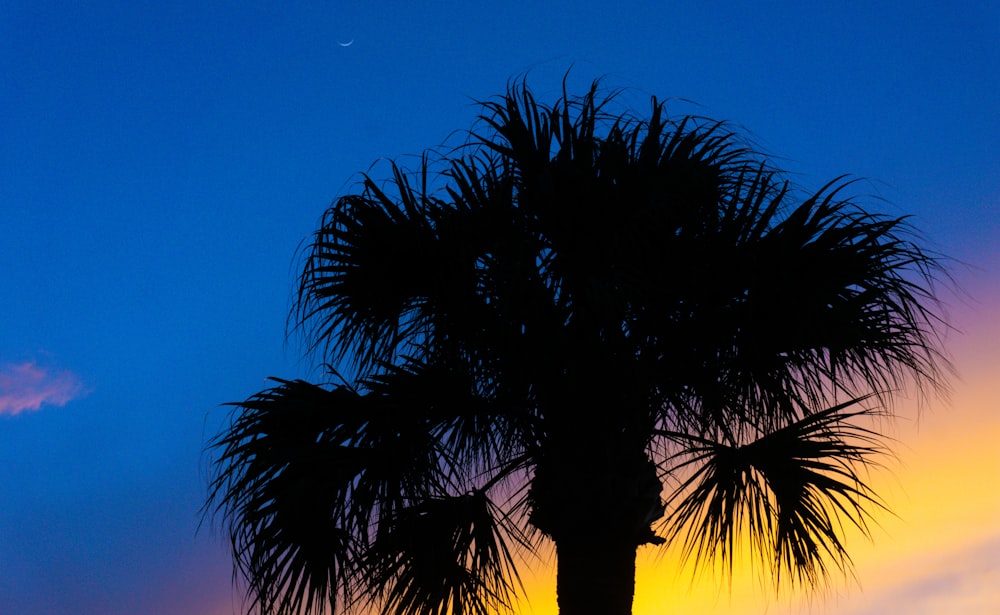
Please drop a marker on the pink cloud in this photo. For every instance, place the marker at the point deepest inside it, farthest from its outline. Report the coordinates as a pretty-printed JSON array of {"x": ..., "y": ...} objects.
[{"x": 27, "y": 386}]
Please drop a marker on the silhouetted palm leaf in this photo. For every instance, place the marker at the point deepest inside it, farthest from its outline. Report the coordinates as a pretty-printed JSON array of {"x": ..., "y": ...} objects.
[
  {"x": 443, "y": 556},
  {"x": 282, "y": 477},
  {"x": 788, "y": 492},
  {"x": 306, "y": 473}
]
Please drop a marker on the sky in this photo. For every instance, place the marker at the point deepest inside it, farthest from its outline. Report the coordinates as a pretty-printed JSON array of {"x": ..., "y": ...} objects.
[{"x": 160, "y": 164}]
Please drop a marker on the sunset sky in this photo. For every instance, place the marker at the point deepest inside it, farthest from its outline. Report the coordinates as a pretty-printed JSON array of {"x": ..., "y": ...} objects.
[{"x": 161, "y": 161}]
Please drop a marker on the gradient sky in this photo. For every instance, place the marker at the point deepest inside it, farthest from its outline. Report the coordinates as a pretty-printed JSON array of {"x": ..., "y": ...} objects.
[{"x": 161, "y": 161}]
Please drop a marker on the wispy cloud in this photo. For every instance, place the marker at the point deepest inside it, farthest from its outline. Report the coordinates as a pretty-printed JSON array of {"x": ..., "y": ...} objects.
[
  {"x": 964, "y": 580},
  {"x": 29, "y": 386}
]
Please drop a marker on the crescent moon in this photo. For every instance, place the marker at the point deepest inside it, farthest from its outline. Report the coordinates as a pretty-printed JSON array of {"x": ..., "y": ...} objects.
[{"x": 347, "y": 44}]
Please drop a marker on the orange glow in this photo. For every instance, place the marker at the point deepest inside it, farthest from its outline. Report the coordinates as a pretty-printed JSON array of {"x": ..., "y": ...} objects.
[{"x": 940, "y": 553}]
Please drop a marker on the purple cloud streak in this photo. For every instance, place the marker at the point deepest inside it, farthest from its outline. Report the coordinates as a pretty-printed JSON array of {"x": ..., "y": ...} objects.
[{"x": 29, "y": 386}]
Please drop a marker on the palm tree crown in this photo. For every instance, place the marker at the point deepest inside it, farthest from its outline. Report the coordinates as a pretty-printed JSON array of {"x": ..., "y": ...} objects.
[{"x": 543, "y": 324}]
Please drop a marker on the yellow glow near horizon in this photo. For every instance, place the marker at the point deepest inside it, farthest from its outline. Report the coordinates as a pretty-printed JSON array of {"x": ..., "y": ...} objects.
[{"x": 939, "y": 552}]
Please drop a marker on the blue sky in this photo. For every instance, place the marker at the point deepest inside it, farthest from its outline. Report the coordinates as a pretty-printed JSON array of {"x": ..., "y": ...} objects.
[{"x": 161, "y": 162}]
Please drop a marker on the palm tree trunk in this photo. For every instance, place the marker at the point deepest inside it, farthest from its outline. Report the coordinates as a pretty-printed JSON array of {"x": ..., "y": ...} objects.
[
  {"x": 597, "y": 516},
  {"x": 595, "y": 576}
]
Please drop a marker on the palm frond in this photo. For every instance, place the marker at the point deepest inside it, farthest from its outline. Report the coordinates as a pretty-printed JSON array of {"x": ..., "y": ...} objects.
[
  {"x": 301, "y": 477},
  {"x": 473, "y": 430},
  {"x": 306, "y": 477},
  {"x": 788, "y": 494},
  {"x": 444, "y": 556},
  {"x": 808, "y": 302},
  {"x": 276, "y": 489},
  {"x": 838, "y": 301},
  {"x": 370, "y": 257}
]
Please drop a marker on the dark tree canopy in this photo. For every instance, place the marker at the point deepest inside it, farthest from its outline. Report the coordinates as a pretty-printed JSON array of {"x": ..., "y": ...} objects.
[{"x": 539, "y": 327}]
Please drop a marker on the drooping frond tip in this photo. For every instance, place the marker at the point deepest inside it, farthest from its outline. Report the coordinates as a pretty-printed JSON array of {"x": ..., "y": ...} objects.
[
  {"x": 444, "y": 556},
  {"x": 334, "y": 499},
  {"x": 784, "y": 498}
]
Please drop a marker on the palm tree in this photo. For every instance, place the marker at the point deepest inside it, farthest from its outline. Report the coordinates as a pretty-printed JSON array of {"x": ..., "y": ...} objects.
[{"x": 539, "y": 327}]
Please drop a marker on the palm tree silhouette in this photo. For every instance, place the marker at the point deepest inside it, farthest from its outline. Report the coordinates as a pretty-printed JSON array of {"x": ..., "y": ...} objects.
[{"x": 544, "y": 324}]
